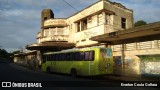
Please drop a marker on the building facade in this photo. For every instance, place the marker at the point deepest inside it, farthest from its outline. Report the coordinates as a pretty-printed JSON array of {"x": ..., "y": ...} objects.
[{"x": 100, "y": 18}]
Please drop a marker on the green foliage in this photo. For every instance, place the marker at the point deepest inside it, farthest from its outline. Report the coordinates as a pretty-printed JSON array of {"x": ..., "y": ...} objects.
[
  {"x": 149, "y": 57},
  {"x": 140, "y": 23},
  {"x": 3, "y": 53}
]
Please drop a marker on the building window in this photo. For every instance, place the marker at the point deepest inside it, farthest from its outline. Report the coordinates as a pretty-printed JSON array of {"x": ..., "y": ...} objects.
[
  {"x": 45, "y": 18},
  {"x": 100, "y": 19},
  {"x": 71, "y": 27},
  {"x": 89, "y": 19},
  {"x": 123, "y": 23},
  {"x": 84, "y": 24},
  {"x": 107, "y": 19},
  {"x": 78, "y": 27},
  {"x": 83, "y": 40},
  {"x": 77, "y": 41},
  {"x": 46, "y": 32}
]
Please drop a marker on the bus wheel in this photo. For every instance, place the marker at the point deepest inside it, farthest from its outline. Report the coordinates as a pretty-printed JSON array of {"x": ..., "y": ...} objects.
[
  {"x": 48, "y": 70},
  {"x": 73, "y": 72}
]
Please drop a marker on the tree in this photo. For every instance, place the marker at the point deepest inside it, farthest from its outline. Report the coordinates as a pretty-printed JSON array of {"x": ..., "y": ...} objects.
[
  {"x": 139, "y": 23},
  {"x": 3, "y": 53}
]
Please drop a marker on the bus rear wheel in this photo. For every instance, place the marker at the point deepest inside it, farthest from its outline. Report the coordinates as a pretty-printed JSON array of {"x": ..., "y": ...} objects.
[
  {"x": 48, "y": 70},
  {"x": 73, "y": 72}
]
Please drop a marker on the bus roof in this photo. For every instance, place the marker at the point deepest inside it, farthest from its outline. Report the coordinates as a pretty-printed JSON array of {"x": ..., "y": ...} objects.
[{"x": 74, "y": 50}]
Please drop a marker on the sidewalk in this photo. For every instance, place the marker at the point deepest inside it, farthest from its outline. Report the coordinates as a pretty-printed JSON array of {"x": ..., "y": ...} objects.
[
  {"x": 127, "y": 78},
  {"x": 112, "y": 77}
]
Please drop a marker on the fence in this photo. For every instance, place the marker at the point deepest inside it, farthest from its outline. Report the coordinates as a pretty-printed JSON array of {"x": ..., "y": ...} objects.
[{"x": 138, "y": 46}]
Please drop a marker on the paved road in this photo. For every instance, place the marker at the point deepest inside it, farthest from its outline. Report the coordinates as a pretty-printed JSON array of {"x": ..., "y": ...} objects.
[{"x": 14, "y": 73}]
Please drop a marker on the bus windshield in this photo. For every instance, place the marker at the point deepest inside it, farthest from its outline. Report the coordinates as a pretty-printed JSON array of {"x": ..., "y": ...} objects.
[{"x": 106, "y": 52}]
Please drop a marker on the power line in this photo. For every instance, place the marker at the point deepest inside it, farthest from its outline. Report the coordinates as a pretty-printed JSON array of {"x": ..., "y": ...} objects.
[
  {"x": 70, "y": 5},
  {"x": 1, "y": 3},
  {"x": 75, "y": 8},
  {"x": 4, "y": 4},
  {"x": 3, "y": 7}
]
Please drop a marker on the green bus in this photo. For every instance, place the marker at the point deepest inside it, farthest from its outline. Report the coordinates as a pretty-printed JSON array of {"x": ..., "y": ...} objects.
[{"x": 84, "y": 62}]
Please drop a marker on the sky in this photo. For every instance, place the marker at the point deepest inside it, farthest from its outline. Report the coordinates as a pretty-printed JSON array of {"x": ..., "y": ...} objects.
[{"x": 20, "y": 19}]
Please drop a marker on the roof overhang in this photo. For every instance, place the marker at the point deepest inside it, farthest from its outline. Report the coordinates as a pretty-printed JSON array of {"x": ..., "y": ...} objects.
[
  {"x": 51, "y": 46},
  {"x": 25, "y": 54},
  {"x": 98, "y": 12},
  {"x": 137, "y": 34}
]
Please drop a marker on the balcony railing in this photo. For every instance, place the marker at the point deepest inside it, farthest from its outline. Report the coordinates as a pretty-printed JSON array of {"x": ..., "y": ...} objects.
[
  {"x": 55, "y": 22},
  {"x": 54, "y": 38},
  {"x": 155, "y": 44},
  {"x": 38, "y": 34},
  {"x": 53, "y": 34},
  {"x": 55, "y": 31}
]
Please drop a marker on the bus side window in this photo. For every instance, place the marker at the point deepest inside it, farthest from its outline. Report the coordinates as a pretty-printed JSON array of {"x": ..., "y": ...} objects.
[
  {"x": 50, "y": 58},
  {"x": 47, "y": 57},
  {"x": 76, "y": 56},
  {"x": 71, "y": 56},
  {"x": 81, "y": 56},
  {"x": 63, "y": 56},
  {"x": 89, "y": 55},
  {"x": 44, "y": 58},
  {"x": 56, "y": 57},
  {"x": 60, "y": 57},
  {"x": 53, "y": 57},
  {"x": 67, "y": 56}
]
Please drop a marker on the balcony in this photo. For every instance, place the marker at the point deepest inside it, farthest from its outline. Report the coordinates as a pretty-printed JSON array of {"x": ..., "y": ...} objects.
[
  {"x": 56, "y": 38},
  {"x": 55, "y": 23},
  {"x": 39, "y": 35},
  {"x": 54, "y": 34}
]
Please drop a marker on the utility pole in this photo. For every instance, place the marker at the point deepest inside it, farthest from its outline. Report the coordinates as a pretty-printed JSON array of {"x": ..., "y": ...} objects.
[{"x": 123, "y": 58}]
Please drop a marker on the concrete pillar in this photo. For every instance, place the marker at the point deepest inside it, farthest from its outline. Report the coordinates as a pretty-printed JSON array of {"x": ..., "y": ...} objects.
[
  {"x": 45, "y": 15},
  {"x": 123, "y": 56},
  {"x": 136, "y": 47},
  {"x": 155, "y": 45},
  {"x": 104, "y": 17},
  {"x": 97, "y": 18}
]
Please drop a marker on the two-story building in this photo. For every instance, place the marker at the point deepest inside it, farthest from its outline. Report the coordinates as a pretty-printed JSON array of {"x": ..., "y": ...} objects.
[{"x": 77, "y": 30}]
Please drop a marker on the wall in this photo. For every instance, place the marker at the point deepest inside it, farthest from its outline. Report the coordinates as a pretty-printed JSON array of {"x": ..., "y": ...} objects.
[
  {"x": 131, "y": 66},
  {"x": 98, "y": 14},
  {"x": 30, "y": 59},
  {"x": 150, "y": 65},
  {"x": 143, "y": 58},
  {"x": 139, "y": 48},
  {"x": 86, "y": 34},
  {"x": 120, "y": 11}
]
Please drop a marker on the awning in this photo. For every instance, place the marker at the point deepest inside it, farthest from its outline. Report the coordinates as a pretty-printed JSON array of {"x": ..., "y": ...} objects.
[
  {"x": 51, "y": 46},
  {"x": 137, "y": 34}
]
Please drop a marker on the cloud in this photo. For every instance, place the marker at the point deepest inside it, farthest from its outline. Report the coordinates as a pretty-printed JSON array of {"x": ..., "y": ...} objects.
[{"x": 147, "y": 10}]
